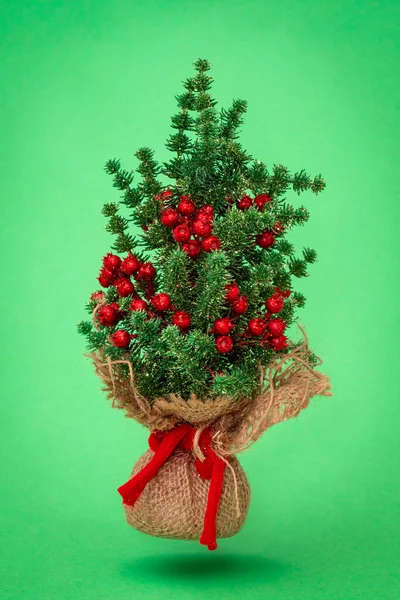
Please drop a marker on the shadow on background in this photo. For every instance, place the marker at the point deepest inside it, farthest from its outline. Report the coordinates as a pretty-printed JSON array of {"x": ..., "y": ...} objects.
[{"x": 201, "y": 567}]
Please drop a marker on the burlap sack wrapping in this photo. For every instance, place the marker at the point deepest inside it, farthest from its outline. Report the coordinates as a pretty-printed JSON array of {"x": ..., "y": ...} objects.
[{"x": 172, "y": 504}]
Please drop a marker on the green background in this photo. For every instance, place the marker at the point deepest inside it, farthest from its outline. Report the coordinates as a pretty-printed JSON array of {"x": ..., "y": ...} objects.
[{"x": 86, "y": 81}]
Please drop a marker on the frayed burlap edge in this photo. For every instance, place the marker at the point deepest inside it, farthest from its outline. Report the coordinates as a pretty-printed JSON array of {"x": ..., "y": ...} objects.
[{"x": 285, "y": 388}]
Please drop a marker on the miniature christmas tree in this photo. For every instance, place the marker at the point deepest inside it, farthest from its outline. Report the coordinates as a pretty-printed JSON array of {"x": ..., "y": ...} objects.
[{"x": 189, "y": 334}]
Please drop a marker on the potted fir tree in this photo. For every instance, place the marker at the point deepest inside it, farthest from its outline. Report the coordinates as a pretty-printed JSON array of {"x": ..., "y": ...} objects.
[{"x": 189, "y": 333}]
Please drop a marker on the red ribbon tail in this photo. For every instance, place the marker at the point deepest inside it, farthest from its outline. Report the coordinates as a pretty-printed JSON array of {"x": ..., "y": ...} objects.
[
  {"x": 131, "y": 490},
  {"x": 209, "y": 535}
]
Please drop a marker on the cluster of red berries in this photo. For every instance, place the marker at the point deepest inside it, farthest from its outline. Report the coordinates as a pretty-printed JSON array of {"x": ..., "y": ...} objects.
[
  {"x": 162, "y": 303},
  {"x": 269, "y": 328},
  {"x": 191, "y": 227},
  {"x": 237, "y": 301},
  {"x": 222, "y": 328},
  {"x": 245, "y": 202},
  {"x": 267, "y": 238},
  {"x": 117, "y": 272},
  {"x": 275, "y": 327}
]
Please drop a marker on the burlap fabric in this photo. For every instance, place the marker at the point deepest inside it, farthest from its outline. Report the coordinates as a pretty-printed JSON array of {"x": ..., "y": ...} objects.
[{"x": 173, "y": 503}]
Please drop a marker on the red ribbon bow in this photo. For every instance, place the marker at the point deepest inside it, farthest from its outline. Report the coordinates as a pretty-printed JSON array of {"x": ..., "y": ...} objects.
[{"x": 163, "y": 444}]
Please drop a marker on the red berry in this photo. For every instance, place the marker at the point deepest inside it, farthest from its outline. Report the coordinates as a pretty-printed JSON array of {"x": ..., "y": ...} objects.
[
  {"x": 163, "y": 195},
  {"x": 220, "y": 373},
  {"x": 276, "y": 327},
  {"x": 110, "y": 314},
  {"x": 112, "y": 262},
  {"x": 278, "y": 228},
  {"x": 283, "y": 293},
  {"x": 241, "y": 305},
  {"x": 223, "y": 326},
  {"x": 266, "y": 239},
  {"x": 232, "y": 292},
  {"x": 230, "y": 200},
  {"x": 181, "y": 319},
  {"x": 201, "y": 228},
  {"x": 106, "y": 277},
  {"x": 170, "y": 217},
  {"x": 186, "y": 206},
  {"x": 124, "y": 287},
  {"x": 181, "y": 233},
  {"x": 224, "y": 343},
  {"x": 210, "y": 243},
  {"x": 97, "y": 296},
  {"x": 244, "y": 203},
  {"x": 261, "y": 200},
  {"x": 274, "y": 304},
  {"x": 192, "y": 248},
  {"x": 202, "y": 217},
  {"x": 278, "y": 343},
  {"x": 121, "y": 338},
  {"x": 130, "y": 265},
  {"x": 147, "y": 271},
  {"x": 161, "y": 302},
  {"x": 256, "y": 326},
  {"x": 138, "y": 304},
  {"x": 207, "y": 211}
]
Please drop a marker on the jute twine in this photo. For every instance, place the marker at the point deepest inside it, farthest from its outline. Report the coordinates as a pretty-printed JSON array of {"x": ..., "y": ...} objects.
[{"x": 173, "y": 503}]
